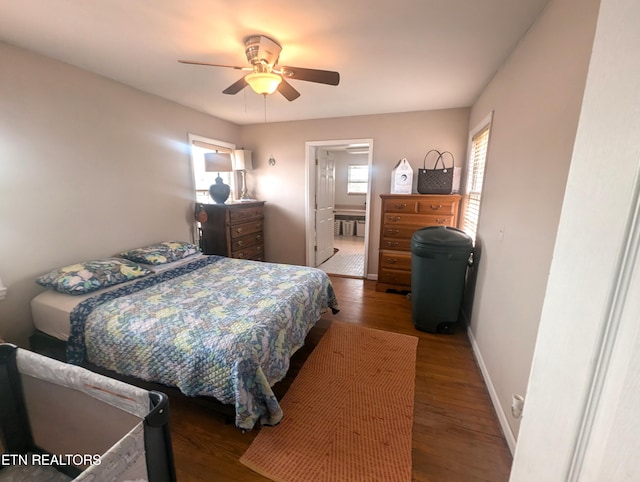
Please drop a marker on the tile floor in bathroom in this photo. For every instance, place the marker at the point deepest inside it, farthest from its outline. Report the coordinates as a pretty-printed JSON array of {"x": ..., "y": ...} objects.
[{"x": 349, "y": 260}]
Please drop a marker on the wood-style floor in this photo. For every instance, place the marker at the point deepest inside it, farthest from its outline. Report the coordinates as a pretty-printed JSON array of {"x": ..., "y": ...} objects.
[{"x": 456, "y": 436}]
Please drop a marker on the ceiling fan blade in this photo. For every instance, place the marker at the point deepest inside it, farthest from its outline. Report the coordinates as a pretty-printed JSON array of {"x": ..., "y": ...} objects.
[
  {"x": 287, "y": 90},
  {"x": 312, "y": 75},
  {"x": 193, "y": 62},
  {"x": 235, "y": 87}
]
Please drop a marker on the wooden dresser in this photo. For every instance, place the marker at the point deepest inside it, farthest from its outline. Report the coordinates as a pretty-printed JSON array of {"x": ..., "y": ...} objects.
[
  {"x": 235, "y": 230},
  {"x": 402, "y": 215}
]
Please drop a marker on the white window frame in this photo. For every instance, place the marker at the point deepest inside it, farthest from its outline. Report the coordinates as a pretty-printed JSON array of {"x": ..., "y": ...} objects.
[
  {"x": 362, "y": 183},
  {"x": 202, "y": 179},
  {"x": 474, "y": 178}
]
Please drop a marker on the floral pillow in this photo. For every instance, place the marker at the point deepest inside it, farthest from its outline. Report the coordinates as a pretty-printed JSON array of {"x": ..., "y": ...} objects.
[
  {"x": 81, "y": 278},
  {"x": 161, "y": 253}
]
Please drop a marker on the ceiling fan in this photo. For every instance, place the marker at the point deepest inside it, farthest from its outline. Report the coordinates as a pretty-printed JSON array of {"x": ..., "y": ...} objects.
[{"x": 266, "y": 76}]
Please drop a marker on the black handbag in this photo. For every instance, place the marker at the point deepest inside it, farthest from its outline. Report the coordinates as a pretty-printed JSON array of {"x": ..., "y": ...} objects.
[{"x": 436, "y": 180}]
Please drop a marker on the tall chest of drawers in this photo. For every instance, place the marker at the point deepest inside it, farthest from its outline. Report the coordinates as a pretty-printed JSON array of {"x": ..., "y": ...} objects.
[
  {"x": 234, "y": 230},
  {"x": 402, "y": 215}
]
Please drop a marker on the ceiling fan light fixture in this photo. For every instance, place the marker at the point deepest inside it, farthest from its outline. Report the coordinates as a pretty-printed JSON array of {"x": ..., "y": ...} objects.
[{"x": 264, "y": 83}]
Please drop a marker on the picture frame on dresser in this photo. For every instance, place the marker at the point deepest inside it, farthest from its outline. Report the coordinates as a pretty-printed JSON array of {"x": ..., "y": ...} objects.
[{"x": 402, "y": 215}]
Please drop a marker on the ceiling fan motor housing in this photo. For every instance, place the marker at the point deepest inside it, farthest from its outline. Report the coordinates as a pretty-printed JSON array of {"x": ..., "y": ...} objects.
[{"x": 262, "y": 50}]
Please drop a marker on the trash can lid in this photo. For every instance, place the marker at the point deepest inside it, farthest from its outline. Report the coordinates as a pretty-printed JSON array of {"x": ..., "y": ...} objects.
[{"x": 441, "y": 236}]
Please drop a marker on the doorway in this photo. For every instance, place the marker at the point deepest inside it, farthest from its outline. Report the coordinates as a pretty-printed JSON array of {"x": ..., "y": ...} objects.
[{"x": 338, "y": 189}]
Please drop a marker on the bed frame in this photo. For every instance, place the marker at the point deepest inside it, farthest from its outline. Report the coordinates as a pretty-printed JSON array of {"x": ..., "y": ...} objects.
[{"x": 47, "y": 345}]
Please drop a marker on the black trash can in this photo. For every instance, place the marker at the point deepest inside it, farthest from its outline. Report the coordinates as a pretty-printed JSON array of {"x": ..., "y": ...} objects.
[{"x": 439, "y": 259}]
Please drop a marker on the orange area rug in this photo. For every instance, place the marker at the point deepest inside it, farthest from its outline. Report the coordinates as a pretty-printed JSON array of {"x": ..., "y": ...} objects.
[{"x": 348, "y": 415}]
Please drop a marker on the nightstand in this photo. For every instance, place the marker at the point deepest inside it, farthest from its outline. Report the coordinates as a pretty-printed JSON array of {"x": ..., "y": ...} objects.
[{"x": 235, "y": 230}]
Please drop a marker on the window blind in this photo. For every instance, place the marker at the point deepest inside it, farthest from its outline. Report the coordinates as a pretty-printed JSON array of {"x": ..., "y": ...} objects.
[{"x": 475, "y": 177}]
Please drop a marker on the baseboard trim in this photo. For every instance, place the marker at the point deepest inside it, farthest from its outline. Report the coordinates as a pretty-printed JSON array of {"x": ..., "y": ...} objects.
[{"x": 502, "y": 416}]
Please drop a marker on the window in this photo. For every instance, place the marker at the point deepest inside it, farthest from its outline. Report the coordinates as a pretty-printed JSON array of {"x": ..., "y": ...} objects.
[
  {"x": 204, "y": 178},
  {"x": 478, "y": 147},
  {"x": 357, "y": 179}
]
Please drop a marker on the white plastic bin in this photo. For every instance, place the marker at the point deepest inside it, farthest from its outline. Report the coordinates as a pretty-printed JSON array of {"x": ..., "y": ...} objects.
[
  {"x": 360, "y": 228},
  {"x": 348, "y": 228}
]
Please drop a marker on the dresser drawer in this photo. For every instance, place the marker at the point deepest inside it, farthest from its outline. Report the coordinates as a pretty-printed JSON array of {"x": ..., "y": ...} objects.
[
  {"x": 394, "y": 277},
  {"x": 400, "y": 232},
  {"x": 392, "y": 260},
  {"x": 396, "y": 243},
  {"x": 245, "y": 214},
  {"x": 244, "y": 242},
  {"x": 437, "y": 206},
  {"x": 422, "y": 205},
  {"x": 252, "y": 252},
  {"x": 418, "y": 220},
  {"x": 239, "y": 230},
  {"x": 399, "y": 205}
]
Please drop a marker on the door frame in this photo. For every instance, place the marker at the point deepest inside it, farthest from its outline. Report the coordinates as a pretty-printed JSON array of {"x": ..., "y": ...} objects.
[{"x": 310, "y": 194}]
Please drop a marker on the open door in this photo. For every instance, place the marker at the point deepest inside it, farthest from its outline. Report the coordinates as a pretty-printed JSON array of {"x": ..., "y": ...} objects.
[
  {"x": 322, "y": 198},
  {"x": 324, "y": 205}
]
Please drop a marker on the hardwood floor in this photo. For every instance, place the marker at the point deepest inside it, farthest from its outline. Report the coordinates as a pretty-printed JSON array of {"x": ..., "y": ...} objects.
[{"x": 456, "y": 436}]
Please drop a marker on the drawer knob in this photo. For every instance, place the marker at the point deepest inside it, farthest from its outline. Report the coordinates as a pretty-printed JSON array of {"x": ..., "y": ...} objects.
[
  {"x": 394, "y": 219},
  {"x": 238, "y": 230},
  {"x": 392, "y": 244},
  {"x": 441, "y": 221},
  {"x": 393, "y": 231},
  {"x": 401, "y": 205},
  {"x": 435, "y": 207},
  {"x": 240, "y": 255},
  {"x": 259, "y": 226},
  {"x": 240, "y": 243},
  {"x": 258, "y": 237},
  {"x": 392, "y": 260}
]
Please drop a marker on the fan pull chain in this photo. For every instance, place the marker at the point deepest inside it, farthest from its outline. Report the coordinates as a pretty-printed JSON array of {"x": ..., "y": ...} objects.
[{"x": 265, "y": 107}]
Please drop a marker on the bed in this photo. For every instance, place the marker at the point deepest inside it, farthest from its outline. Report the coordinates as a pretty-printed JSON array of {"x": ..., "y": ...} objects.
[{"x": 210, "y": 326}]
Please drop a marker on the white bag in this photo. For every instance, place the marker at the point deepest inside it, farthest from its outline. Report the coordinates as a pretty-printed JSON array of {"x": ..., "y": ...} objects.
[{"x": 402, "y": 177}]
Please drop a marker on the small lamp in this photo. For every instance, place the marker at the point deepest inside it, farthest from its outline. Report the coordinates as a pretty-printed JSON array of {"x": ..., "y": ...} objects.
[
  {"x": 242, "y": 163},
  {"x": 218, "y": 162}
]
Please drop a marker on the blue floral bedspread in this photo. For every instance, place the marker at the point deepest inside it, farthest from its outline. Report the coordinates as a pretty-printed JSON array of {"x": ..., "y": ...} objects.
[{"x": 218, "y": 327}]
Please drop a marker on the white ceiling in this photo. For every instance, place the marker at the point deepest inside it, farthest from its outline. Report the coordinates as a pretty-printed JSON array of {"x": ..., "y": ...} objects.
[{"x": 392, "y": 55}]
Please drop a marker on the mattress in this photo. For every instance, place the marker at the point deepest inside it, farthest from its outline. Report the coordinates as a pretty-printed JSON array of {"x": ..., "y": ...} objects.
[{"x": 50, "y": 310}]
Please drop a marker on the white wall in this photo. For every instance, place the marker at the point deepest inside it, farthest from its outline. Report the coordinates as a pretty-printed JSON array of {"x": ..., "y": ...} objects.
[
  {"x": 536, "y": 98},
  {"x": 394, "y": 136},
  {"x": 88, "y": 167},
  {"x": 581, "y": 417}
]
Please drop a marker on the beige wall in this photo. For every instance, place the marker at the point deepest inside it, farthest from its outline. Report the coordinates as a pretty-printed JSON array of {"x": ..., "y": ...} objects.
[
  {"x": 536, "y": 98},
  {"x": 394, "y": 136},
  {"x": 88, "y": 167}
]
